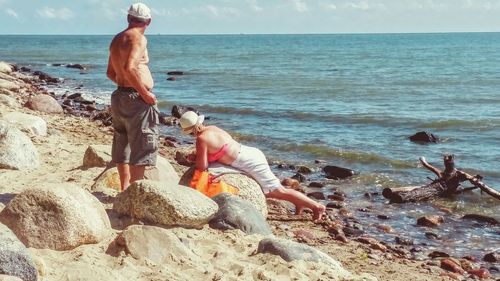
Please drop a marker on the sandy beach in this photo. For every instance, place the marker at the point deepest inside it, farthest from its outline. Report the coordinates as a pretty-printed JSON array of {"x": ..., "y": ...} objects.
[{"x": 213, "y": 254}]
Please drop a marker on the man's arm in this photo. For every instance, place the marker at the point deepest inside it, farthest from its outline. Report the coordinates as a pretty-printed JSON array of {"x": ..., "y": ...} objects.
[
  {"x": 111, "y": 71},
  {"x": 132, "y": 69}
]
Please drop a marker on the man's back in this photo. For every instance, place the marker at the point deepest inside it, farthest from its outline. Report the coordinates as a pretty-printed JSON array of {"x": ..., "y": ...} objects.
[{"x": 128, "y": 49}]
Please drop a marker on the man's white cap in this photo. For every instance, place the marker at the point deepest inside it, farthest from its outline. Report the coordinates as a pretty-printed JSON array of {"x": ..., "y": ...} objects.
[{"x": 140, "y": 11}]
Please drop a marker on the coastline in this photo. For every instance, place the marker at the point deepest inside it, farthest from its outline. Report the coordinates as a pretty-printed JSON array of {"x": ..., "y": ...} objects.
[{"x": 62, "y": 151}]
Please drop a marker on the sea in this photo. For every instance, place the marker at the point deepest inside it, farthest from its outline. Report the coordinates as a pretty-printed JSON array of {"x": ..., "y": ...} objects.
[{"x": 349, "y": 100}]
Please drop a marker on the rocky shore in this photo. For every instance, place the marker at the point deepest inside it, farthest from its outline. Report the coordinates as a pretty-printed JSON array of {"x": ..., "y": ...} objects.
[{"x": 62, "y": 218}]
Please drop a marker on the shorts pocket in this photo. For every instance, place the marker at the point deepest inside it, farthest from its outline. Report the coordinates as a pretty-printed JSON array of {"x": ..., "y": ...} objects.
[{"x": 150, "y": 139}]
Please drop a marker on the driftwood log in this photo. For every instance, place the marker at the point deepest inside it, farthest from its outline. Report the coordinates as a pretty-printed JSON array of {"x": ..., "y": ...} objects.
[{"x": 446, "y": 184}]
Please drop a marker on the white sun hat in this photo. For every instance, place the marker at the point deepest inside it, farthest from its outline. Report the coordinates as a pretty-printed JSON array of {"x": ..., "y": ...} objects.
[
  {"x": 190, "y": 119},
  {"x": 140, "y": 11}
]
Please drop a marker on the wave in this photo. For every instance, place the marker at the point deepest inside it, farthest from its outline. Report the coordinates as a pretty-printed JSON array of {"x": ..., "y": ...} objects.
[
  {"x": 346, "y": 155},
  {"x": 457, "y": 123}
]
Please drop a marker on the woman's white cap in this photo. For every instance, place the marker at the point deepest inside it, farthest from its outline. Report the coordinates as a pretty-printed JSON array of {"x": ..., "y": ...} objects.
[
  {"x": 140, "y": 11},
  {"x": 190, "y": 119}
]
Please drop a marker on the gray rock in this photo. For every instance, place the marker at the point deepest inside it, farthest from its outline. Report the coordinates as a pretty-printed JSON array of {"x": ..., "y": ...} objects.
[
  {"x": 56, "y": 216},
  {"x": 154, "y": 243},
  {"x": 97, "y": 156},
  {"x": 165, "y": 203},
  {"x": 27, "y": 123},
  {"x": 290, "y": 251},
  {"x": 44, "y": 103},
  {"x": 17, "y": 152},
  {"x": 236, "y": 213},
  {"x": 250, "y": 190},
  {"x": 15, "y": 260}
]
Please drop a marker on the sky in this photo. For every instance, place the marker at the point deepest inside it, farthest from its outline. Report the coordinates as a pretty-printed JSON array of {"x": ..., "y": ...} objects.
[{"x": 252, "y": 16}]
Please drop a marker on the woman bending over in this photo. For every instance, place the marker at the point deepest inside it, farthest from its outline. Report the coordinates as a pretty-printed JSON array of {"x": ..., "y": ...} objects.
[{"x": 214, "y": 144}]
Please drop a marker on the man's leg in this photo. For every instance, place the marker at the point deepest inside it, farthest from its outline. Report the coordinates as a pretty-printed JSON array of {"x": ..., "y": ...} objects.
[
  {"x": 124, "y": 172},
  {"x": 136, "y": 173}
]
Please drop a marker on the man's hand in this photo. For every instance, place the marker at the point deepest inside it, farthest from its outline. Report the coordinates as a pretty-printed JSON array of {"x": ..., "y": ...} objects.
[{"x": 149, "y": 98}]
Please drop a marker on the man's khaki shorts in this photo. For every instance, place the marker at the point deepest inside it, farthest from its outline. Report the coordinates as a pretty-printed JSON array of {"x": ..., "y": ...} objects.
[{"x": 135, "y": 123}]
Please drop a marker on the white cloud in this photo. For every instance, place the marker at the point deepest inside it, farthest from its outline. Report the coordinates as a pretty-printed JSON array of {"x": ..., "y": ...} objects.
[
  {"x": 51, "y": 13},
  {"x": 364, "y": 5},
  {"x": 12, "y": 13},
  {"x": 254, "y": 5},
  {"x": 220, "y": 11},
  {"x": 329, "y": 6},
  {"x": 300, "y": 6}
]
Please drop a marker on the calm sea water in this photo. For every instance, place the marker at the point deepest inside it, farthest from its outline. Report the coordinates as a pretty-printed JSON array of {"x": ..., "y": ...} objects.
[{"x": 351, "y": 100}]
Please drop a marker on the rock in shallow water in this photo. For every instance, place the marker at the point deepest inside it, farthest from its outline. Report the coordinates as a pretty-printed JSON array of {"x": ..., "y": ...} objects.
[{"x": 337, "y": 173}]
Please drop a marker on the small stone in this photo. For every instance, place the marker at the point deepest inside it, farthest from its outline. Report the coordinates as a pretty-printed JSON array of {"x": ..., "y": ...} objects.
[
  {"x": 335, "y": 205},
  {"x": 432, "y": 236},
  {"x": 430, "y": 221},
  {"x": 304, "y": 170},
  {"x": 349, "y": 231},
  {"x": 492, "y": 257},
  {"x": 316, "y": 184},
  {"x": 438, "y": 254},
  {"x": 300, "y": 177},
  {"x": 482, "y": 273},
  {"x": 452, "y": 266},
  {"x": 383, "y": 217},
  {"x": 317, "y": 195},
  {"x": 341, "y": 237},
  {"x": 336, "y": 197},
  {"x": 404, "y": 241},
  {"x": 385, "y": 228},
  {"x": 289, "y": 182},
  {"x": 378, "y": 246}
]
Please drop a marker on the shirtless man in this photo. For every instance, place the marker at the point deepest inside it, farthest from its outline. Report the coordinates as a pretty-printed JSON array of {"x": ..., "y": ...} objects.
[{"x": 133, "y": 106}]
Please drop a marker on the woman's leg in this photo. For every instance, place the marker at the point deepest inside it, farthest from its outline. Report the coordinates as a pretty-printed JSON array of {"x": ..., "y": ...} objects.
[{"x": 299, "y": 200}]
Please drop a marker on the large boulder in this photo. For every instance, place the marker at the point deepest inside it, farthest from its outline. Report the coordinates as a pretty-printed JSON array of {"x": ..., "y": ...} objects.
[
  {"x": 236, "y": 213},
  {"x": 5, "y": 67},
  {"x": 250, "y": 190},
  {"x": 154, "y": 243},
  {"x": 57, "y": 216},
  {"x": 27, "y": 123},
  {"x": 163, "y": 171},
  {"x": 44, "y": 103},
  {"x": 8, "y": 101},
  {"x": 8, "y": 85},
  {"x": 97, "y": 156},
  {"x": 15, "y": 260},
  {"x": 165, "y": 203},
  {"x": 290, "y": 251},
  {"x": 17, "y": 152},
  {"x": 424, "y": 137}
]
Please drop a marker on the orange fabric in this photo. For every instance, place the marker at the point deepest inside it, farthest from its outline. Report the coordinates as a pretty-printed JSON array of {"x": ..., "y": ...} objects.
[{"x": 202, "y": 181}]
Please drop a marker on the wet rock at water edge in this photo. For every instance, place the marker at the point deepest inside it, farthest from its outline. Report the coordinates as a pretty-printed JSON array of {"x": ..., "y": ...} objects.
[
  {"x": 74, "y": 96},
  {"x": 430, "y": 221},
  {"x": 76, "y": 66},
  {"x": 176, "y": 72},
  {"x": 432, "y": 236},
  {"x": 335, "y": 205},
  {"x": 178, "y": 110},
  {"x": 171, "y": 78},
  {"x": 404, "y": 241},
  {"x": 304, "y": 170},
  {"x": 300, "y": 177},
  {"x": 438, "y": 254},
  {"x": 317, "y": 195},
  {"x": 45, "y": 77},
  {"x": 349, "y": 231},
  {"x": 424, "y": 137},
  {"x": 316, "y": 184},
  {"x": 492, "y": 257},
  {"x": 337, "y": 173},
  {"x": 481, "y": 218}
]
